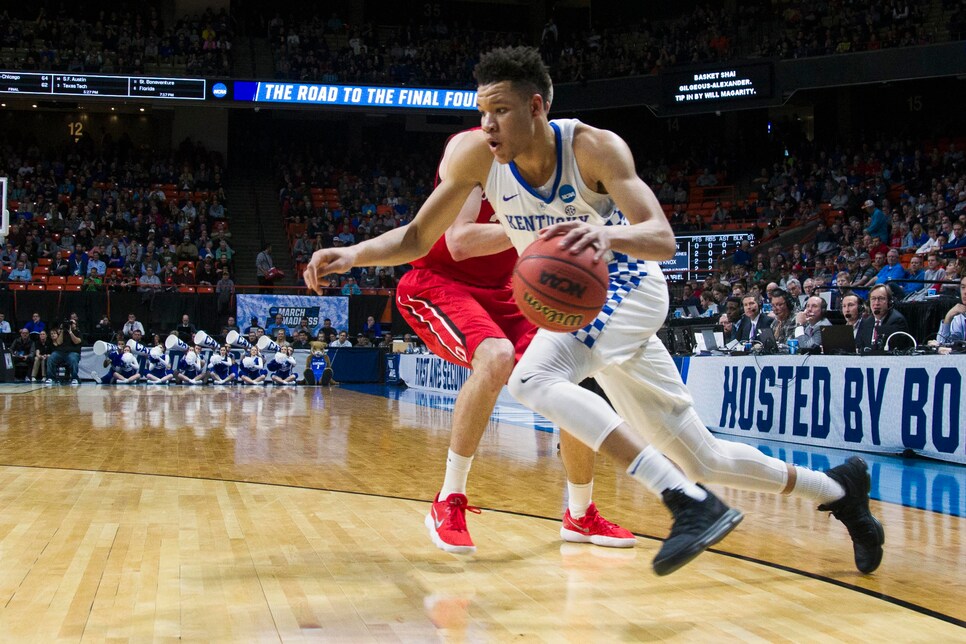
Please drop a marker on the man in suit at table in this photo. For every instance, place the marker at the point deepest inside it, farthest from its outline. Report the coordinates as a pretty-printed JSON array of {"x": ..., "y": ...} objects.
[
  {"x": 809, "y": 322},
  {"x": 883, "y": 322},
  {"x": 853, "y": 310},
  {"x": 753, "y": 321},
  {"x": 732, "y": 311}
]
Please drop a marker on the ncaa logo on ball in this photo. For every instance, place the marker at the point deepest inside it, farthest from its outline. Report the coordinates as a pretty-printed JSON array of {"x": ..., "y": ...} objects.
[
  {"x": 218, "y": 90},
  {"x": 562, "y": 284},
  {"x": 567, "y": 193}
]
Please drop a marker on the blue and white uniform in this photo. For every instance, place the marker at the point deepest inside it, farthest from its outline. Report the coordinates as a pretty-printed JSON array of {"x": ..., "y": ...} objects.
[
  {"x": 281, "y": 365},
  {"x": 221, "y": 367},
  {"x": 524, "y": 210},
  {"x": 116, "y": 363},
  {"x": 191, "y": 369},
  {"x": 251, "y": 366},
  {"x": 159, "y": 367},
  {"x": 620, "y": 347},
  {"x": 125, "y": 368}
]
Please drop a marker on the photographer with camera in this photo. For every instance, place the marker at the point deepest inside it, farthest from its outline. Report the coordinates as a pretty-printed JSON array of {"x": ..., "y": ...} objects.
[{"x": 67, "y": 341}]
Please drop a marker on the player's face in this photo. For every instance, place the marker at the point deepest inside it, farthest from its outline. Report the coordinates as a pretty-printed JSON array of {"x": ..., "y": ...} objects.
[{"x": 506, "y": 116}]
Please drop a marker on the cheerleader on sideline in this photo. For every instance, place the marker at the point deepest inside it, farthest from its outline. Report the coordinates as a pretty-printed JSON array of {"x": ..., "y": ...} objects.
[
  {"x": 282, "y": 367},
  {"x": 251, "y": 372},
  {"x": 221, "y": 367},
  {"x": 159, "y": 367},
  {"x": 191, "y": 370},
  {"x": 112, "y": 359},
  {"x": 128, "y": 372}
]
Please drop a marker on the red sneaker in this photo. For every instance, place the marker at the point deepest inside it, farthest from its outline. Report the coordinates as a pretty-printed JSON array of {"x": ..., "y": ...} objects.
[
  {"x": 595, "y": 529},
  {"x": 446, "y": 523}
]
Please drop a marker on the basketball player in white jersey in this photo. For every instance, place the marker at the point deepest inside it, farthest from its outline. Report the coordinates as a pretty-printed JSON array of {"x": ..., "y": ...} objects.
[{"x": 566, "y": 178}]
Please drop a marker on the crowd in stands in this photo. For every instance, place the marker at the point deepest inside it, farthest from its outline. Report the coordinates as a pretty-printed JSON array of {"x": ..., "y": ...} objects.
[
  {"x": 437, "y": 52},
  {"x": 326, "y": 205},
  {"x": 119, "y": 218},
  {"x": 891, "y": 215},
  {"x": 327, "y": 50},
  {"x": 822, "y": 29},
  {"x": 121, "y": 39}
]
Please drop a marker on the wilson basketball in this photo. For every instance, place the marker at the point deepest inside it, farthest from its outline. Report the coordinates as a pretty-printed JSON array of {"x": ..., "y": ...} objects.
[{"x": 556, "y": 290}]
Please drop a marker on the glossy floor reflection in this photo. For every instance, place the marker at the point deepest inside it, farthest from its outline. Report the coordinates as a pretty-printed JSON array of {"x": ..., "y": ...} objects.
[{"x": 244, "y": 514}]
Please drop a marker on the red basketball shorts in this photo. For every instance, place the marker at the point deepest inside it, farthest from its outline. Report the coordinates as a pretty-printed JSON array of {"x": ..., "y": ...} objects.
[{"x": 454, "y": 317}]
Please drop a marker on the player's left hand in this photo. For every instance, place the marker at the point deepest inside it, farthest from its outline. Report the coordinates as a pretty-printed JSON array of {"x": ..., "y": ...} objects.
[{"x": 578, "y": 235}]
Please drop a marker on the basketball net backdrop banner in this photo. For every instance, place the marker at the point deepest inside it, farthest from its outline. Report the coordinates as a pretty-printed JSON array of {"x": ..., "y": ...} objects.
[
  {"x": 871, "y": 404},
  {"x": 293, "y": 308}
]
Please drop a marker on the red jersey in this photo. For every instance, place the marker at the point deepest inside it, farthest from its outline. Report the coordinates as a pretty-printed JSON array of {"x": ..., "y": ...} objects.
[{"x": 487, "y": 271}]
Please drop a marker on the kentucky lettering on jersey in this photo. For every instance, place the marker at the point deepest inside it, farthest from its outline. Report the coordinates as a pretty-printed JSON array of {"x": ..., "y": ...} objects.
[{"x": 534, "y": 223}]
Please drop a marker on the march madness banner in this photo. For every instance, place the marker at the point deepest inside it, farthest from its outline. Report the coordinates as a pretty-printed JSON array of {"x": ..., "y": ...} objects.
[
  {"x": 292, "y": 308},
  {"x": 872, "y": 404}
]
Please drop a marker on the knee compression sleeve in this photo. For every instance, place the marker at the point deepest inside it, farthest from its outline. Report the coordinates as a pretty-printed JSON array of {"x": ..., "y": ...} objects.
[{"x": 584, "y": 414}]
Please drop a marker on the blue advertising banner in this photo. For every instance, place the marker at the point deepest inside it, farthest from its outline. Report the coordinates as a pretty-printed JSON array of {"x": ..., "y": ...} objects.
[
  {"x": 875, "y": 404},
  {"x": 357, "y": 95},
  {"x": 293, "y": 307}
]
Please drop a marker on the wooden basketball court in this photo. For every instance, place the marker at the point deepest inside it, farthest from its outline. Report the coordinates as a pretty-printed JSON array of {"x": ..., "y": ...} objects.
[{"x": 281, "y": 514}]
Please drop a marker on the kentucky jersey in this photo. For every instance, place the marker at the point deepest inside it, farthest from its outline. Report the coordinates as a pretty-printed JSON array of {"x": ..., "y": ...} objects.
[{"x": 524, "y": 210}]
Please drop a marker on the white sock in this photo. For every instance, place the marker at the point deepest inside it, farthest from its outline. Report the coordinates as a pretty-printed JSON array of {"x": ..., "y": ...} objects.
[
  {"x": 817, "y": 486},
  {"x": 658, "y": 474},
  {"x": 457, "y": 470},
  {"x": 579, "y": 498}
]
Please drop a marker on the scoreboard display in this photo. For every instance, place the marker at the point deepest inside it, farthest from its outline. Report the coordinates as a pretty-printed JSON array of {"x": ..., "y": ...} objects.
[
  {"x": 58, "y": 85},
  {"x": 721, "y": 88},
  {"x": 698, "y": 254}
]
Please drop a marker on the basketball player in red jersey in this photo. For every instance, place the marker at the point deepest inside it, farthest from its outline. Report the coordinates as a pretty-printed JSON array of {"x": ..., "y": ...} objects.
[{"x": 459, "y": 301}]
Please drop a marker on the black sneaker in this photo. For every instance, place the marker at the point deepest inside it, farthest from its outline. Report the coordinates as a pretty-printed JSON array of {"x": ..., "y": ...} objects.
[
  {"x": 326, "y": 378},
  {"x": 698, "y": 525},
  {"x": 853, "y": 510}
]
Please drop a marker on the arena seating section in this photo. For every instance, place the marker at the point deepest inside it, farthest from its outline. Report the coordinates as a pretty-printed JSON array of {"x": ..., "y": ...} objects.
[
  {"x": 325, "y": 49},
  {"x": 792, "y": 192},
  {"x": 117, "y": 40},
  {"x": 149, "y": 196}
]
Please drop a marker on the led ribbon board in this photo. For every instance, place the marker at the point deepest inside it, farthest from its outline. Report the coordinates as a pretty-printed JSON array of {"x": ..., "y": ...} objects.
[{"x": 354, "y": 95}]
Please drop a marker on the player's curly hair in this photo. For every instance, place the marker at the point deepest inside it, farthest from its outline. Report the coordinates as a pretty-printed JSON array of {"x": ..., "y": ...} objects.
[{"x": 519, "y": 65}]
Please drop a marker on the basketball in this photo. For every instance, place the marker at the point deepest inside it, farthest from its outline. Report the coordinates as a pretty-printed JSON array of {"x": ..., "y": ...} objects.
[{"x": 557, "y": 290}]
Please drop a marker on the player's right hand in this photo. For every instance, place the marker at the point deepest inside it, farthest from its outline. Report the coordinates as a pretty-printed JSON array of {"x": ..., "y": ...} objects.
[{"x": 323, "y": 262}]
